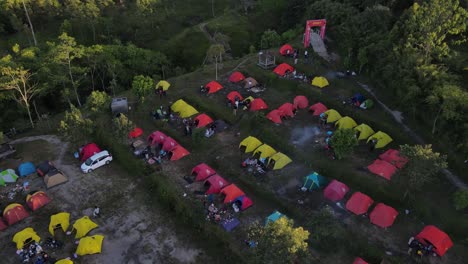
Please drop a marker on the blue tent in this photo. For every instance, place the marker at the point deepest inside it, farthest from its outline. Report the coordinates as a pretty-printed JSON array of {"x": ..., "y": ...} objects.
[
  {"x": 314, "y": 181},
  {"x": 358, "y": 98},
  {"x": 26, "y": 168},
  {"x": 273, "y": 217}
]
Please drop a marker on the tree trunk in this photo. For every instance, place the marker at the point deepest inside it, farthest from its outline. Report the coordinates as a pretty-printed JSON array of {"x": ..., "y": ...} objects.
[
  {"x": 94, "y": 31},
  {"x": 435, "y": 120},
  {"x": 216, "y": 62},
  {"x": 37, "y": 112},
  {"x": 73, "y": 83},
  {"x": 30, "y": 23},
  {"x": 92, "y": 79},
  {"x": 212, "y": 8},
  {"x": 29, "y": 114}
]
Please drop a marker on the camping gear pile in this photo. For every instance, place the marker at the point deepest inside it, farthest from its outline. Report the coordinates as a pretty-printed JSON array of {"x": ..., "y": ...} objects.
[
  {"x": 358, "y": 100},
  {"x": 263, "y": 156},
  {"x": 213, "y": 183},
  {"x": 387, "y": 164}
]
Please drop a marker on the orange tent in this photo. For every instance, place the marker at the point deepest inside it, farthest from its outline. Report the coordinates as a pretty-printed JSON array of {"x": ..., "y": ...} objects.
[
  {"x": 274, "y": 116},
  {"x": 286, "y": 49},
  {"x": 37, "y": 200},
  {"x": 213, "y": 87},
  {"x": 318, "y": 109},
  {"x": 179, "y": 152},
  {"x": 203, "y": 120},
  {"x": 14, "y": 213},
  {"x": 287, "y": 109},
  {"x": 169, "y": 144},
  {"x": 258, "y": 104},
  {"x": 236, "y": 77},
  {"x": 283, "y": 69},
  {"x": 301, "y": 102},
  {"x": 231, "y": 192},
  {"x": 232, "y": 96}
]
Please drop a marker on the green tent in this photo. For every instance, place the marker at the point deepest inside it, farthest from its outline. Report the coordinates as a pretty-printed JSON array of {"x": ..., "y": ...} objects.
[
  {"x": 367, "y": 104},
  {"x": 314, "y": 181},
  {"x": 8, "y": 176}
]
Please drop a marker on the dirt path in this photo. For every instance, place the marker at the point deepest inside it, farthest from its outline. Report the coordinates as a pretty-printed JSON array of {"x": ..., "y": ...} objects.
[
  {"x": 398, "y": 116},
  {"x": 134, "y": 233}
]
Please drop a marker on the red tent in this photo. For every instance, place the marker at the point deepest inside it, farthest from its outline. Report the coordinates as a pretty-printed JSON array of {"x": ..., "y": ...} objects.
[
  {"x": 383, "y": 215},
  {"x": 88, "y": 150},
  {"x": 169, "y": 144},
  {"x": 216, "y": 183},
  {"x": 244, "y": 201},
  {"x": 335, "y": 191},
  {"x": 286, "y": 49},
  {"x": 203, "y": 120},
  {"x": 287, "y": 109},
  {"x": 231, "y": 192},
  {"x": 382, "y": 168},
  {"x": 274, "y": 116},
  {"x": 318, "y": 109},
  {"x": 301, "y": 102},
  {"x": 359, "y": 203},
  {"x": 236, "y": 77},
  {"x": 258, "y": 104},
  {"x": 3, "y": 226},
  {"x": 202, "y": 171},
  {"x": 156, "y": 137},
  {"x": 359, "y": 261},
  {"x": 392, "y": 156},
  {"x": 213, "y": 87},
  {"x": 37, "y": 200},
  {"x": 179, "y": 152},
  {"x": 283, "y": 68},
  {"x": 438, "y": 238},
  {"x": 232, "y": 96},
  {"x": 136, "y": 132},
  {"x": 14, "y": 213}
]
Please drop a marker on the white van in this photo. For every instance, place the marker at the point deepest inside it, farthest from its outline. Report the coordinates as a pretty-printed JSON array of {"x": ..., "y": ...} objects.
[{"x": 96, "y": 161}]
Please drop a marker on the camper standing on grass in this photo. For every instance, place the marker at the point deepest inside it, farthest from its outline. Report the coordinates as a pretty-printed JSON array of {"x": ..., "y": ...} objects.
[{"x": 96, "y": 212}]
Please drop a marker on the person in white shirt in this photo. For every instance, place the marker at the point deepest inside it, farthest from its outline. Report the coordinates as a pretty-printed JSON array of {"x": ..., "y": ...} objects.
[{"x": 97, "y": 211}]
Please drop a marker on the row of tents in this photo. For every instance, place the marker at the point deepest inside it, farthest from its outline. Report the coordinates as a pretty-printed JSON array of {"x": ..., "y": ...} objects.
[
  {"x": 388, "y": 163},
  {"x": 256, "y": 104},
  {"x": 215, "y": 184},
  {"x": 238, "y": 77},
  {"x": 287, "y": 109},
  {"x": 16, "y": 212},
  {"x": 276, "y": 160},
  {"x": 167, "y": 144},
  {"x": 51, "y": 175}
]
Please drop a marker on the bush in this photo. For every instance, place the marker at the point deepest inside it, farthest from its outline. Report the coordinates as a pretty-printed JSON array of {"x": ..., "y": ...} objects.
[
  {"x": 98, "y": 101},
  {"x": 460, "y": 199},
  {"x": 270, "y": 38}
]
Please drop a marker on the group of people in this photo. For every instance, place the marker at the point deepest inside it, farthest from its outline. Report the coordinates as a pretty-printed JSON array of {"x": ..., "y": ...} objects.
[
  {"x": 161, "y": 113},
  {"x": 258, "y": 165},
  {"x": 295, "y": 55},
  {"x": 419, "y": 248},
  {"x": 245, "y": 104},
  {"x": 33, "y": 253}
]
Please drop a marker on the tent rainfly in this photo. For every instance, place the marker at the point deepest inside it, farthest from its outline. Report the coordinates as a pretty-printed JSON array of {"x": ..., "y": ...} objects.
[{"x": 250, "y": 144}]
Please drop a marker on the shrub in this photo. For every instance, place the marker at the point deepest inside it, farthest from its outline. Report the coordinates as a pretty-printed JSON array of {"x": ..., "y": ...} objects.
[
  {"x": 270, "y": 38},
  {"x": 460, "y": 199},
  {"x": 98, "y": 101}
]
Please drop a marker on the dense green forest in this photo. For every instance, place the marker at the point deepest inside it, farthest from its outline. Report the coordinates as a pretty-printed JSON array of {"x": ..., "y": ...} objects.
[{"x": 57, "y": 52}]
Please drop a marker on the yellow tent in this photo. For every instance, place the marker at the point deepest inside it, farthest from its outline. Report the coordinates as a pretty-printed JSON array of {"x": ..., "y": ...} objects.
[
  {"x": 187, "y": 111},
  {"x": 280, "y": 159},
  {"x": 25, "y": 236},
  {"x": 164, "y": 84},
  {"x": 320, "y": 82},
  {"x": 83, "y": 226},
  {"x": 250, "y": 143},
  {"x": 365, "y": 131},
  {"x": 64, "y": 261},
  {"x": 345, "y": 123},
  {"x": 332, "y": 115},
  {"x": 382, "y": 139},
  {"x": 90, "y": 245},
  {"x": 178, "y": 105},
  {"x": 265, "y": 151},
  {"x": 60, "y": 220},
  {"x": 250, "y": 98}
]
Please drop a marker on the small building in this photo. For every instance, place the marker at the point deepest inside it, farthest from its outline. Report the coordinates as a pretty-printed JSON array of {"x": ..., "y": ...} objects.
[
  {"x": 119, "y": 105},
  {"x": 266, "y": 60}
]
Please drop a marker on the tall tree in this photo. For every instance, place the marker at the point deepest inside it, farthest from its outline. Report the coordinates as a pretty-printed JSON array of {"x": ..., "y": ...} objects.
[
  {"x": 75, "y": 127},
  {"x": 216, "y": 52},
  {"x": 65, "y": 53},
  {"x": 142, "y": 86},
  {"x": 19, "y": 81}
]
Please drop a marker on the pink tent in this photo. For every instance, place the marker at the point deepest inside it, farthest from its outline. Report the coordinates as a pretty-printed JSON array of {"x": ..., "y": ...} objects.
[
  {"x": 274, "y": 116},
  {"x": 318, "y": 109},
  {"x": 335, "y": 191},
  {"x": 202, "y": 171},
  {"x": 215, "y": 183},
  {"x": 383, "y": 215},
  {"x": 382, "y": 168},
  {"x": 287, "y": 109},
  {"x": 359, "y": 203},
  {"x": 169, "y": 144},
  {"x": 301, "y": 102},
  {"x": 393, "y": 157}
]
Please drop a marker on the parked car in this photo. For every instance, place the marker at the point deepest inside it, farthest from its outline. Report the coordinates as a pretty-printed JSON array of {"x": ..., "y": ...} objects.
[{"x": 96, "y": 161}]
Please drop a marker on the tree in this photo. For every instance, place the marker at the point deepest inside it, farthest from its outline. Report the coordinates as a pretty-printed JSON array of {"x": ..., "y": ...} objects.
[
  {"x": 19, "y": 81},
  {"x": 97, "y": 101},
  {"x": 122, "y": 126},
  {"x": 94, "y": 56},
  {"x": 142, "y": 86},
  {"x": 65, "y": 53},
  {"x": 75, "y": 127},
  {"x": 328, "y": 231},
  {"x": 270, "y": 39},
  {"x": 343, "y": 142},
  {"x": 422, "y": 167},
  {"x": 279, "y": 242},
  {"x": 216, "y": 52},
  {"x": 460, "y": 199}
]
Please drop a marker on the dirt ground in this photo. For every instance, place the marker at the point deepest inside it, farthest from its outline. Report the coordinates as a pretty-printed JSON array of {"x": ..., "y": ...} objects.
[{"x": 134, "y": 232}]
